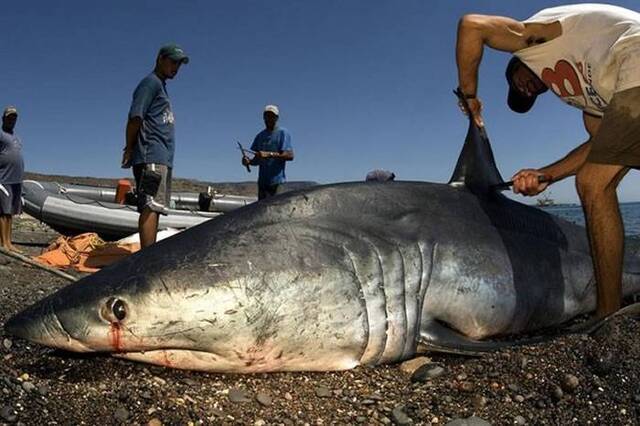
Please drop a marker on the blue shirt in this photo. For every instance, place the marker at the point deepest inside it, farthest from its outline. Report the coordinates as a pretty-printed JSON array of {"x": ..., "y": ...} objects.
[
  {"x": 272, "y": 169},
  {"x": 11, "y": 162},
  {"x": 156, "y": 139}
]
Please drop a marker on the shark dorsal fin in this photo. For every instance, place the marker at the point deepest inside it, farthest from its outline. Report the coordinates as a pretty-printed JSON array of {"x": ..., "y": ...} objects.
[{"x": 476, "y": 168}]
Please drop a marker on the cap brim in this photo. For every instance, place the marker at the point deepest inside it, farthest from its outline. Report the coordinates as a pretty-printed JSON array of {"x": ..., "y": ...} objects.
[
  {"x": 182, "y": 59},
  {"x": 519, "y": 103}
]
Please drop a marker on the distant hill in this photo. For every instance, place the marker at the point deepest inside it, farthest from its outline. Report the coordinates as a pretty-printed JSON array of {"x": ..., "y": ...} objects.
[{"x": 177, "y": 184}]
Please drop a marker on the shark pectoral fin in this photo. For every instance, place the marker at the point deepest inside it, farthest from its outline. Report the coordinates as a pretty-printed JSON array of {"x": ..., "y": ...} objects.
[
  {"x": 437, "y": 337},
  {"x": 594, "y": 324}
]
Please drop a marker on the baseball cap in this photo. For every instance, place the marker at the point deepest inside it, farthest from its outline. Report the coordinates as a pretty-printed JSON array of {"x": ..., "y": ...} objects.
[
  {"x": 516, "y": 100},
  {"x": 174, "y": 52},
  {"x": 272, "y": 108},
  {"x": 10, "y": 110}
]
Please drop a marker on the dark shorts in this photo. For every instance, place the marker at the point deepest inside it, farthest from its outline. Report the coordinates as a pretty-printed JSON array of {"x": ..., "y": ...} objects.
[
  {"x": 622, "y": 152},
  {"x": 10, "y": 198},
  {"x": 153, "y": 187},
  {"x": 267, "y": 191}
]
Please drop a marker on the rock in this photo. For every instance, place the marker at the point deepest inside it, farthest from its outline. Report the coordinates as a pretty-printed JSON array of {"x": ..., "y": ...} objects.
[
  {"x": 28, "y": 386},
  {"x": 466, "y": 386},
  {"x": 154, "y": 422},
  {"x": 556, "y": 392},
  {"x": 190, "y": 382},
  {"x": 288, "y": 396},
  {"x": 519, "y": 398},
  {"x": 323, "y": 392},
  {"x": 427, "y": 372},
  {"x": 519, "y": 420},
  {"x": 469, "y": 421},
  {"x": 43, "y": 390},
  {"x": 121, "y": 414},
  {"x": 479, "y": 402},
  {"x": 412, "y": 365},
  {"x": 570, "y": 383},
  {"x": 8, "y": 414},
  {"x": 7, "y": 343},
  {"x": 399, "y": 416},
  {"x": 238, "y": 395},
  {"x": 263, "y": 399},
  {"x": 259, "y": 422}
]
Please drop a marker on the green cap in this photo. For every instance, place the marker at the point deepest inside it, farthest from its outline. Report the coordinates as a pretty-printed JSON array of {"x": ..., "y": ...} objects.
[{"x": 175, "y": 52}]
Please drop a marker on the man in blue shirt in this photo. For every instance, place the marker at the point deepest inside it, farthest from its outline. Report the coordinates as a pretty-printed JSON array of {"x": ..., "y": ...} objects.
[
  {"x": 150, "y": 141},
  {"x": 11, "y": 175},
  {"x": 272, "y": 149}
]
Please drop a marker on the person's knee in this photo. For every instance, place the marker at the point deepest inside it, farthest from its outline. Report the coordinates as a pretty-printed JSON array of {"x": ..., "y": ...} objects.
[{"x": 591, "y": 185}]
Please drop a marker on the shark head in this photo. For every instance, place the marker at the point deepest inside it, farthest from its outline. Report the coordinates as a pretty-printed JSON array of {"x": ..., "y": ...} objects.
[{"x": 216, "y": 297}]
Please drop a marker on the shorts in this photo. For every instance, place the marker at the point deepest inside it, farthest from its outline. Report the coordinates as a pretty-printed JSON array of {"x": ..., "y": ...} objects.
[
  {"x": 619, "y": 142},
  {"x": 153, "y": 187},
  {"x": 10, "y": 198},
  {"x": 267, "y": 191}
]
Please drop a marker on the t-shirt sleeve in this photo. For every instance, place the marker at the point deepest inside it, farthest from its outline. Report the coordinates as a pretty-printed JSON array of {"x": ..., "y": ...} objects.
[
  {"x": 628, "y": 75},
  {"x": 286, "y": 142},
  {"x": 142, "y": 98}
]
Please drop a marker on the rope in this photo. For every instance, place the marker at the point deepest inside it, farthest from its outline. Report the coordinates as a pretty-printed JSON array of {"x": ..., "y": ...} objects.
[{"x": 32, "y": 262}]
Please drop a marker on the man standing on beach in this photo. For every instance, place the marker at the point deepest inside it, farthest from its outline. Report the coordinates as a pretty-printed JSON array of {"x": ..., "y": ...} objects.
[
  {"x": 11, "y": 175},
  {"x": 150, "y": 141},
  {"x": 272, "y": 149},
  {"x": 588, "y": 55}
]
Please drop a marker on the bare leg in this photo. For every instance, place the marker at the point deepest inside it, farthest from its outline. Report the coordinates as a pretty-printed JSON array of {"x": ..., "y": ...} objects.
[
  {"x": 5, "y": 231},
  {"x": 147, "y": 227},
  {"x": 6, "y": 222},
  {"x": 596, "y": 184}
]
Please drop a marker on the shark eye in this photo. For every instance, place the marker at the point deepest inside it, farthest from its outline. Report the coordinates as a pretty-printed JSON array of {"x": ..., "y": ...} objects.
[{"x": 115, "y": 310}]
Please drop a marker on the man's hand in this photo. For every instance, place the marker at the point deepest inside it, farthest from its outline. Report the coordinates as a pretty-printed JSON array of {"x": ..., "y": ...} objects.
[
  {"x": 475, "y": 106},
  {"x": 530, "y": 182},
  {"x": 246, "y": 161},
  {"x": 126, "y": 158},
  {"x": 261, "y": 155}
]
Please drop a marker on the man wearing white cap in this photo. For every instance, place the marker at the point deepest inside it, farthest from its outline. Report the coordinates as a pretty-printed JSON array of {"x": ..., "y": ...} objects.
[
  {"x": 11, "y": 174},
  {"x": 272, "y": 148}
]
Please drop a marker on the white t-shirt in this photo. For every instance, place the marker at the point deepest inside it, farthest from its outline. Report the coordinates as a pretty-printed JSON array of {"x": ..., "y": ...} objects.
[{"x": 597, "y": 54}]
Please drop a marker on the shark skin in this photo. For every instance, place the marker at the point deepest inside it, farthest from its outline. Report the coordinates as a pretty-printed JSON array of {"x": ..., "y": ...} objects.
[{"x": 335, "y": 276}]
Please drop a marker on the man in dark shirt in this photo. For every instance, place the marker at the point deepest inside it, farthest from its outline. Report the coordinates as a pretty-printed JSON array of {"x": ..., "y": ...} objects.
[
  {"x": 150, "y": 141},
  {"x": 11, "y": 175}
]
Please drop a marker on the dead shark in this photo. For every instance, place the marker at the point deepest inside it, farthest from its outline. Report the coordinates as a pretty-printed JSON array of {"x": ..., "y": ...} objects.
[{"x": 335, "y": 276}]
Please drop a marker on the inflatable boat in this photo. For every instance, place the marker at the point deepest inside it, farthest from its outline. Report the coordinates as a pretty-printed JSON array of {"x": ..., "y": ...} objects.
[{"x": 74, "y": 209}]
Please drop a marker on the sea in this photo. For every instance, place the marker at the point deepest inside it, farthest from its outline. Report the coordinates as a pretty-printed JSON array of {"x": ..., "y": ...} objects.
[{"x": 573, "y": 213}]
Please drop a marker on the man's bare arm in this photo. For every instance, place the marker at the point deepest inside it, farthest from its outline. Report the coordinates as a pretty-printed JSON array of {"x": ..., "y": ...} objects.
[
  {"x": 131, "y": 137},
  {"x": 476, "y": 31}
]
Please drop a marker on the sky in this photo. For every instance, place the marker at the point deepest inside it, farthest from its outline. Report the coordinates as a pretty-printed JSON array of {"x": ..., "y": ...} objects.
[{"x": 361, "y": 84}]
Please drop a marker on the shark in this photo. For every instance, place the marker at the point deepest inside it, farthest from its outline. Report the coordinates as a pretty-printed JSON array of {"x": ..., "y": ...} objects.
[{"x": 336, "y": 276}]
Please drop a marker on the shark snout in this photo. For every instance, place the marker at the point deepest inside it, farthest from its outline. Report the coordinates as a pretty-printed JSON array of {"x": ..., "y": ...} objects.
[{"x": 39, "y": 324}]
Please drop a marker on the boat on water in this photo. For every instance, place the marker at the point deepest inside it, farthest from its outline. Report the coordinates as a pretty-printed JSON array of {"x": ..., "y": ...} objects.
[
  {"x": 73, "y": 209},
  {"x": 545, "y": 201}
]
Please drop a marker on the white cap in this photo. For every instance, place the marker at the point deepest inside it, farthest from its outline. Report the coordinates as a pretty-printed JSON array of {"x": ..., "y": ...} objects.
[{"x": 272, "y": 108}]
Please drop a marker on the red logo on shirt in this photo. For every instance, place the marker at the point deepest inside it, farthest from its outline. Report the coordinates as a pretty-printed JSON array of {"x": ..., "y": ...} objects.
[{"x": 562, "y": 79}]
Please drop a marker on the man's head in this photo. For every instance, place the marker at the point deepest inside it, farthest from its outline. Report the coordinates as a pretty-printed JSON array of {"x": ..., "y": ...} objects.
[
  {"x": 524, "y": 86},
  {"x": 9, "y": 118},
  {"x": 169, "y": 59},
  {"x": 270, "y": 116}
]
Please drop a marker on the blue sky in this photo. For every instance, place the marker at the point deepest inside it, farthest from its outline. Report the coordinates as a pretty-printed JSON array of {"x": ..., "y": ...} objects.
[{"x": 361, "y": 84}]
